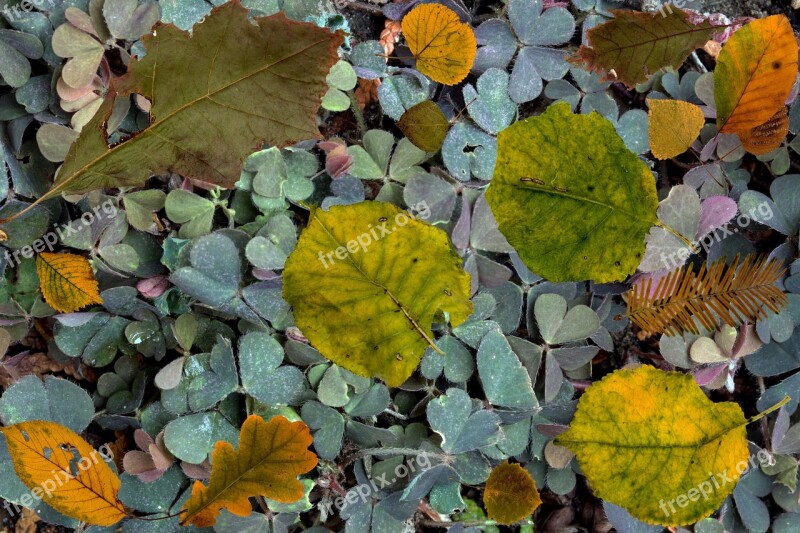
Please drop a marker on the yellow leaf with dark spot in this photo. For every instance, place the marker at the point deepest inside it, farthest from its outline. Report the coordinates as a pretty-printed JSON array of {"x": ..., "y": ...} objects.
[
  {"x": 367, "y": 281},
  {"x": 674, "y": 126},
  {"x": 425, "y": 126},
  {"x": 510, "y": 494},
  {"x": 768, "y": 136},
  {"x": 67, "y": 281},
  {"x": 652, "y": 442},
  {"x": 755, "y": 73},
  {"x": 443, "y": 46},
  {"x": 65, "y": 471},
  {"x": 270, "y": 457}
]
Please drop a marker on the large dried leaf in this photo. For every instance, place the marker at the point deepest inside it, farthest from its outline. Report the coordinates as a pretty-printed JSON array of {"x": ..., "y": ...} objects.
[
  {"x": 67, "y": 281},
  {"x": 635, "y": 44},
  {"x": 215, "y": 100},
  {"x": 367, "y": 281},
  {"x": 683, "y": 298},
  {"x": 571, "y": 198},
  {"x": 755, "y": 72},
  {"x": 645, "y": 438},
  {"x": 444, "y": 46},
  {"x": 270, "y": 457},
  {"x": 65, "y": 470}
]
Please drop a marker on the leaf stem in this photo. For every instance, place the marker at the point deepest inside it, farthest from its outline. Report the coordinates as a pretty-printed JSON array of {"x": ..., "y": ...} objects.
[
  {"x": 360, "y": 122},
  {"x": 764, "y": 413},
  {"x": 683, "y": 239}
]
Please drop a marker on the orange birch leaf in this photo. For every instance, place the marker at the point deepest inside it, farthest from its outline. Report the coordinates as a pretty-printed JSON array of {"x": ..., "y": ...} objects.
[
  {"x": 270, "y": 457},
  {"x": 67, "y": 281},
  {"x": 444, "y": 46},
  {"x": 65, "y": 472}
]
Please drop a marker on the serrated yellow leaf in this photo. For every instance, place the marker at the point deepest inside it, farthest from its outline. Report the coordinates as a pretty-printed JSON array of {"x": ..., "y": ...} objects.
[
  {"x": 443, "y": 46},
  {"x": 366, "y": 282},
  {"x": 674, "y": 126},
  {"x": 270, "y": 457},
  {"x": 510, "y": 494},
  {"x": 65, "y": 471},
  {"x": 652, "y": 442},
  {"x": 754, "y": 74},
  {"x": 67, "y": 281}
]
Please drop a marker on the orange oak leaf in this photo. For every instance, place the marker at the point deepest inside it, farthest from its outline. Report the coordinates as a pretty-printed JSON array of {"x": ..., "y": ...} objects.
[
  {"x": 510, "y": 494},
  {"x": 444, "y": 46},
  {"x": 67, "y": 281},
  {"x": 270, "y": 457},
  {"x": 65, "y": 471}
]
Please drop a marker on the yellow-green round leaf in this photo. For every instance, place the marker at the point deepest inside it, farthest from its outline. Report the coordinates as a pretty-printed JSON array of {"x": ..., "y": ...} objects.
[
  {"x": 366, "y": 282},
  {"x": 569, "y": 196},
  {"x": 425, "y": 125},
  {"x": 652, "y": 442}
]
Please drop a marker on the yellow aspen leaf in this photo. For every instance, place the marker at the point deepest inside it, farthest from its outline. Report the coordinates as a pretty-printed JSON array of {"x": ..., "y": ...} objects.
[
  {"x": 67, "y": 281},
  {"x": 768, "y": 136},
  {"x": 270, "y": 457},
  {"x": 65, "y": 471},
  {"x": 367, "y": 281},
  {"x": 443, "y": 46},
  {"x": 425, "y": 126},
  {"x": 652, "y": 442},
  {"x": 510, "y": 494},
  {"x": 674, "y": 126},
  {"x": 754, "y": 74}
]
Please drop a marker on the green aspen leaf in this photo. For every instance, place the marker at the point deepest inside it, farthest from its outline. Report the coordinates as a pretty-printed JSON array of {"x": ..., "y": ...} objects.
[
  {"x": 571, "y": 198},
  {"x": 652, "y": 442},
  {"x": 366, "y": 282},
  {"x": 214, "y": 99}
]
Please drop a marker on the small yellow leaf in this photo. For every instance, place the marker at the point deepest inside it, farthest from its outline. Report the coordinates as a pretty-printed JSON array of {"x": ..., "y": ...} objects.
[
  {"x": 510, "y": 494},
  {"x": 652, "y": 442},
  {"x": 67, "y": 281},
  {"x": 65, "y": 471},
  {"x": 674, "y": 126},
  {"x": 755, "y": 72},
  {"x": 768, "y": 136},
  {"x": 444, "y": 46},
  {"x": 270, "y": 457},
  {"x": 425, "y": 126}
]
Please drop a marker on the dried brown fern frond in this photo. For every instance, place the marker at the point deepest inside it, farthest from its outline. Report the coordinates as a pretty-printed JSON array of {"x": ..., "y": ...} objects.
[{"x": 736, "y": 294}]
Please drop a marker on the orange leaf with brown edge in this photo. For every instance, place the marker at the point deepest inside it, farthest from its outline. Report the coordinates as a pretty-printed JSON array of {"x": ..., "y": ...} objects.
[
  {"x": 755, "y": 73},
  {"x": 768, "y": 136},
  {"x": 673, "y": 126},
  {"x": 510, "y": 494},
  {"x": 270, "y": 457},
  {"x": 67, "y": 281},
  {"x": 443, "y": 46},
  {"x": 65, "y": 471}
]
